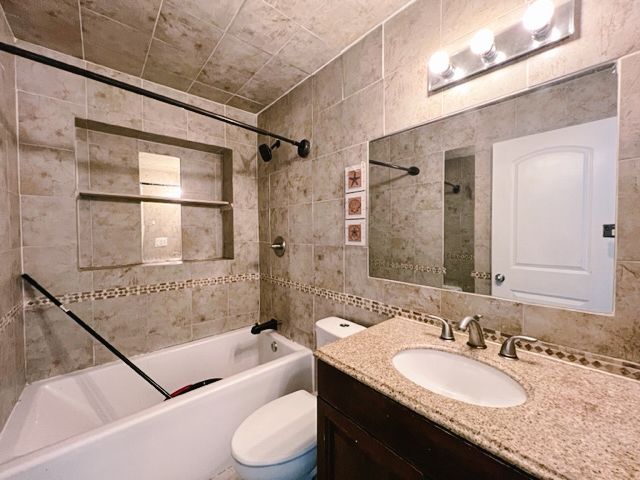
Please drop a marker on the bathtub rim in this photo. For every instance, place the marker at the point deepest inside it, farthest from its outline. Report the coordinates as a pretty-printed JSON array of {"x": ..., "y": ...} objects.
[{"x": 65, "y": 445}]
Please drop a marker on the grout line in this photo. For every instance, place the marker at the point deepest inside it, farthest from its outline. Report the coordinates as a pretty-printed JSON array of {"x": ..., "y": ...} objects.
[
  {"x": 81, "y": 32},
  {"x": 153, "y": 34}
]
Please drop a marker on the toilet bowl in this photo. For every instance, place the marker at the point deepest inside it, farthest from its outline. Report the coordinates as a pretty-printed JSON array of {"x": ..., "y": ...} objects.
[{"x": 278, "y": 440}]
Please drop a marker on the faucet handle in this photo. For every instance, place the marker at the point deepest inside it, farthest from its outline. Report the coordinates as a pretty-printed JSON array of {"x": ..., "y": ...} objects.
[
  {"x": 447, "y": 332},
  {"x": 508, "y": 349}
]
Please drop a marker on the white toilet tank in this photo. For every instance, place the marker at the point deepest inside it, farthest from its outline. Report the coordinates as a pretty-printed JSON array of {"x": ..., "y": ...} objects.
[{"x": 331, "y": 329}]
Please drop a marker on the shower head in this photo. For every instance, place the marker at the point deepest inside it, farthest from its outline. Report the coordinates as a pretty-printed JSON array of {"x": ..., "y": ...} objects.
[{"x": 266, "y": 151}]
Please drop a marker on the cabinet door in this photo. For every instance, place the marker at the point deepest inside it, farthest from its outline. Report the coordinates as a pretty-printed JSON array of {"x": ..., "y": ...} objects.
[{"x": 346, "y": 452}]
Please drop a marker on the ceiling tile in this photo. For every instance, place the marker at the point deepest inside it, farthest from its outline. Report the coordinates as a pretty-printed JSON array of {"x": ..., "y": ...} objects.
[
  {"x": 113, "y": 44},
  {"x": 274, "y": 79},
  {"x": 193, "y": 36},
  {"x": 218, "y": 12},
  {"x": 54, "y": 25},
  {"x": 245, "y": 104},
  {"x": 210, "y": 93},
  {"x": 138, "y": 14},
  {"x": 306, "y": 51},
  {"x": 232, "y": 65},
  {"x": 262, "y": 26},
  {"x": 166, "y": 66},
  {"x": 340, "y": 22}
]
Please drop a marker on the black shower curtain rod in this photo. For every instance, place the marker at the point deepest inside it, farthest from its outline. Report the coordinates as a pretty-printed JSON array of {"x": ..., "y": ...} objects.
[{"x": 304, "y": 145}]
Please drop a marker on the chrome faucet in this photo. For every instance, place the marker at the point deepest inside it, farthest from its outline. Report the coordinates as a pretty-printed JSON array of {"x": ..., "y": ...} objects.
[
  {"x": 508, "y": 349},
  {"x": 476, "y": 336},
  {"x": 447, "y": 332}
]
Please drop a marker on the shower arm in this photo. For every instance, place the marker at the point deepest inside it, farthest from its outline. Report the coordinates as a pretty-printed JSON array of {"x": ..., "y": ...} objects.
[
  {"x": 304, "y": 146},
  {"x": 409, "y": 170}
]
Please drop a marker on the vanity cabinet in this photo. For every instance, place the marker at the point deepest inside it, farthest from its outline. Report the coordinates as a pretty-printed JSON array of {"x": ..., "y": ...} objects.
[{"x": 363, "y": 434}]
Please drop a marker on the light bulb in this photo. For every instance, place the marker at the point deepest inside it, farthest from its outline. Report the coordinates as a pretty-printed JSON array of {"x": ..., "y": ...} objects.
[
  {"x": 439, "y": 64},
  {"x": 537, "y": 18},
  {"x": 483, "y": 44}
]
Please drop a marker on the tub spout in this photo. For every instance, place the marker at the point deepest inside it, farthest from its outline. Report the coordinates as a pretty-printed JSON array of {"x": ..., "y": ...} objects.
[{"x": 270, "y": 325}]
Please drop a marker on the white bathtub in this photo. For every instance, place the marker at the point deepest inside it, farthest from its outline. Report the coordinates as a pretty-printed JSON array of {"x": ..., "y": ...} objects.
[{"x": 106, "y": 423}]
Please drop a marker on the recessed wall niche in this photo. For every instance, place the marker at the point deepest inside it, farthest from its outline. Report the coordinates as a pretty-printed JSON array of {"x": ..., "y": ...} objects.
[{"x": 148, "y": 198}]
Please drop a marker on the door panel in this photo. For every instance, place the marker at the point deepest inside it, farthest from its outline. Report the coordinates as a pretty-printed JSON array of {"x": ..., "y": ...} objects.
[{"x": 552, "y": 192}]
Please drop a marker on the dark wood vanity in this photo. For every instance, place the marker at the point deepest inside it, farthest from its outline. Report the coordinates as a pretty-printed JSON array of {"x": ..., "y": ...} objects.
[{"x": 363, "y": 434}]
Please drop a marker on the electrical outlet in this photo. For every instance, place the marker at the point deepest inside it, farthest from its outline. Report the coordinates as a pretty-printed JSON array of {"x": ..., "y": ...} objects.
[{"x": 161, "y": 241}]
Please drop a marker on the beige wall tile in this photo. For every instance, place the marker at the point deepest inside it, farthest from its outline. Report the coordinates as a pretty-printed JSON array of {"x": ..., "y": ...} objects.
[
  {"x": 353, "y": 121},
  {"x": 40, "y": 79},
  {"x": 244, "y": 298},
  {"x": 412, "y": 35},
  {"x": 501, "y": 315},
  {"x": 630, "y": 107},
  {"x": 301, "y": 263},
  {"x": 47, "y": 171},
  {"x": 48, "y": 221},
  {"x": 405, "y": 98},
  {"x": 327, "y": 85},
  {"x": 628, "y": 225},
  {"x": 54, "y": 343},
  {"x": 116, "y": 233},
  {"x": 300, "y": 223},
  {"x": 46, "y": 121},
  {"x": 363, "y": 63},
  {"x": 608, "y": 30},
  {"x": 329, "y": 267}
]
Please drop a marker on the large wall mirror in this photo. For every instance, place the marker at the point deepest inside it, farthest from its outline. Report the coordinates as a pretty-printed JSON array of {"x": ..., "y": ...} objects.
[{"x": 514, "y": 199}]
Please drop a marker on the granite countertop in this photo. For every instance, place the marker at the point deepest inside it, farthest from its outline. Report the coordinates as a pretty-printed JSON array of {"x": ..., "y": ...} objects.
[{"x": 577, "y": 423}]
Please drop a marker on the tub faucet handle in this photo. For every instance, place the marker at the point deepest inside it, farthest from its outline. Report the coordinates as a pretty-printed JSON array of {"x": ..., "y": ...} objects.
[
  {"x": 508, "y": 349},
  {"x": 447, "y": 332}
]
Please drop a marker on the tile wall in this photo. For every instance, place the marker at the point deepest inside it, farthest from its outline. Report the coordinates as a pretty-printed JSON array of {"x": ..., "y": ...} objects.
[
  {"x": 139, "y": 308},
  {"x": 379, "y": 87},
  {"x": 12, "y": 373}
]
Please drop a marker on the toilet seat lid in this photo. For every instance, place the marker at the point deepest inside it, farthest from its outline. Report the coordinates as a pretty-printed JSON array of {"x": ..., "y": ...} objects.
[{"x": 277, "y": 432}]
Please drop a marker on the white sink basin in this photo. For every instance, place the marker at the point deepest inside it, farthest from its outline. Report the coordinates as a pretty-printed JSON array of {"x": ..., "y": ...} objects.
[{"x": 459, "y": 377}]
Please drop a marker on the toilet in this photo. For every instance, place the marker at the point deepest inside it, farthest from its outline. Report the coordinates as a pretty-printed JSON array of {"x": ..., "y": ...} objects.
[{"x": 278, "y": 440}]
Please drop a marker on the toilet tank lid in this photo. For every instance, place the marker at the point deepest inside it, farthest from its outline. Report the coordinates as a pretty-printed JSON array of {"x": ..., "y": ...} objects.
[
  {"x": 279, "y": 431},
  {"x": 339, "y": 327}
]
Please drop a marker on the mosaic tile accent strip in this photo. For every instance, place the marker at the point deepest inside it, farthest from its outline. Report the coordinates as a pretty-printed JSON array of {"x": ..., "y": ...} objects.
[
  {"x": 603, "y": 363},
  {"x": 481, "y": 275},
  {"x": 116, "y": 292},
  {"x": 9, "y": 317},
  {"x": 410, "y": 266}
]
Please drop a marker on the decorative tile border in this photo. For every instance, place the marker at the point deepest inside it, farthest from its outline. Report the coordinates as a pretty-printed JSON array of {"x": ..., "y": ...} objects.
[
  {"x": 10, "y": 317},
  {"x": 481, "y": 275},
  {"x": 117, "y": 292},
  {"x": 566, "y": 354},
  {"x": 410, "y": 266}
]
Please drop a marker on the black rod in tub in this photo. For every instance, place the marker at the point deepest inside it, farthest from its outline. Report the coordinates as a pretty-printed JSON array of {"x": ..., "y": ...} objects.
[
  {"x": 303, "y": 145},
  {"x": 95, "y": 335}
]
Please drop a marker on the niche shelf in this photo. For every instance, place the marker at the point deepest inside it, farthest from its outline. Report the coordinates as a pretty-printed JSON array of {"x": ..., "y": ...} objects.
[{"x": 152, "y": 198}]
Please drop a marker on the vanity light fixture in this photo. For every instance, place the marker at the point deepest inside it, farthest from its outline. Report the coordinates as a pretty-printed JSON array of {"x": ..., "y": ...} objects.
[
  {"x": 538, "y": 25},
  {"x": 440, "y": 64},
  {"x": 537, "y": 18},
  {"x": 483, "y": 44}
]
